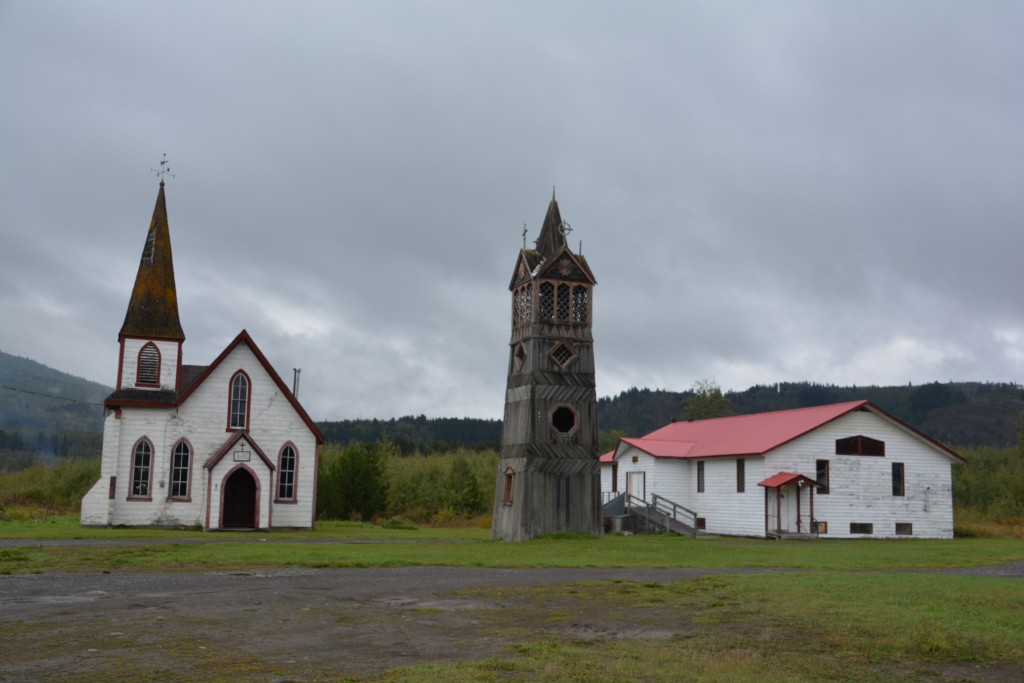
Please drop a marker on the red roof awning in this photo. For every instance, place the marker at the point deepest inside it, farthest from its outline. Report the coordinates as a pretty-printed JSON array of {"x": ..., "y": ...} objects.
[{"x": 783, "y": 478}]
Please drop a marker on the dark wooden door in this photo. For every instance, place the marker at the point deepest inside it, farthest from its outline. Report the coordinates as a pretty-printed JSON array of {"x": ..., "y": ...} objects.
[{"x": 240, "y": 501}]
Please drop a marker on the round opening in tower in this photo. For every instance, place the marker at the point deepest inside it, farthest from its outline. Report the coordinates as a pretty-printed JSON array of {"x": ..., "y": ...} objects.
[{"x": 563, "y": 419}]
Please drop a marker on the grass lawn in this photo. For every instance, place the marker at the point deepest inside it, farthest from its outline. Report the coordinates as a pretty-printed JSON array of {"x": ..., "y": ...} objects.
[
  {"x": 850, "y": 617},
  {"x": 346, "y": 544}
]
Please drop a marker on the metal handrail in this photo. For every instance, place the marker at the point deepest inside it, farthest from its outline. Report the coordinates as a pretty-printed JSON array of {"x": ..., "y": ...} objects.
[
  {"x": 657, "y": 500},
  {"x": 664, "y": 506}
]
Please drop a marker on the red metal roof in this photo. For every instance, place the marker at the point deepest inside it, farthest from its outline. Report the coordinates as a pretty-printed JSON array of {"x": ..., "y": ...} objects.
[
  {"x": 608, "y": 457},
  {"x": 783, "y": 478},
  {"x": 738, "y": 435}
]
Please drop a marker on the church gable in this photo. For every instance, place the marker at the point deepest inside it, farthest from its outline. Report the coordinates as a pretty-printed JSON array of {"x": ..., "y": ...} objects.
[{"x": 565, "y": 265}]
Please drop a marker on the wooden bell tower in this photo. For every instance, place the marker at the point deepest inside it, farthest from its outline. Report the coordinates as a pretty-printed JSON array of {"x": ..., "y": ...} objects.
[{"x": 549, "y": 474}]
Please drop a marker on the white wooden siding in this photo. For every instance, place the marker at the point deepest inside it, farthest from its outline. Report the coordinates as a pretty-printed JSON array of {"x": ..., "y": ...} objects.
[
  {"x": 168, "y": 362},
  {"x": 860, "y": 486},
  {"x": 202, "y": 420}
]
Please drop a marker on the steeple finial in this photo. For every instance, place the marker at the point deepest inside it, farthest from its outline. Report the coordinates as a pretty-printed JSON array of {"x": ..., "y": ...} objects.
[
  {"x": 164, "y": 169},
  {"x": 553, "y": 194}
]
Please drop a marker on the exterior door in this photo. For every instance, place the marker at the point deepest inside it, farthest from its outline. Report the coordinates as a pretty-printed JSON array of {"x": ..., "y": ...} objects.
[
  {"x": 636, "y": 485},
  {"x": 239, "y": 501},
  {"x": 790, "y": 509}
]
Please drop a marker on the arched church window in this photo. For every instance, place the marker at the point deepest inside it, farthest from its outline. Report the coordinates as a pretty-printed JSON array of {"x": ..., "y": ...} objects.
[
  {"x": 142, "y": 469},
  {"x": 580, "y": 298},
  {"x": 238, "y": 414},
  {"x": 286, "y": 465},
  {"x": 181, "y": 465},
  {"x": 148, "y": 373},
  {"x": 547, "y": 301}
]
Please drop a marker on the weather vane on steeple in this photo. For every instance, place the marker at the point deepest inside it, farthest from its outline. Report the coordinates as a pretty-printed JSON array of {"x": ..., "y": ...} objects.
[
  {"x": 524, "y": 236},
  {"x": 164, "y": 169}
]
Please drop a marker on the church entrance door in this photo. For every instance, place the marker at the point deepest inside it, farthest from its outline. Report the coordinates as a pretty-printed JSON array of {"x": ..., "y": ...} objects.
[{"x": 239, "y": 501}]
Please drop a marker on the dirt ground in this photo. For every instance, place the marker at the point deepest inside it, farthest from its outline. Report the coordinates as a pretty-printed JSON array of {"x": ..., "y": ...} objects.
[{"x": 295, "y": 624}]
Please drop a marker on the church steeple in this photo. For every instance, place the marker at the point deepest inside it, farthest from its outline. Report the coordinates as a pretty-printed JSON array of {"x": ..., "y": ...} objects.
[
  {"x": 552, "y": 238},
  {"x": 153, "y": 308},
  {"x": 549, "y": 474}
]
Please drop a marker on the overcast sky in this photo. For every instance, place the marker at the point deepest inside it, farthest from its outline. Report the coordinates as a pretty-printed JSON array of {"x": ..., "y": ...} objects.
[{"x": 785, "y": 191}]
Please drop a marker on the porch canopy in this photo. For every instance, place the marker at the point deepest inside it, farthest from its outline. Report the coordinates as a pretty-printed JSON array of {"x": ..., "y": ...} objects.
[
  {"x": 784, "y": 478},
  {"x": 776, "y": 524}
]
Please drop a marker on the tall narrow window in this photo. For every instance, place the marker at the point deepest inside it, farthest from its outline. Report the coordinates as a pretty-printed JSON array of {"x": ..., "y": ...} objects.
[
  {"x": 580, "y": 296},
  {"x": 547, "y": 301},
  {"x": 563, "y": 303},
  {"x": 821, "y": 475},
  {"x": 238, "y": 417},
  {"x": 142, "y": 465},
  {"x": 700, "y": 476},
  {"x": 181, "y": 462},
  {"x": 741, "y": 475},
  {"x": 897, "y": 479},
  {"x": 510, "y": 480},
  {"x": 148, "y": 373},
  {"x": 286, "y": 474}
]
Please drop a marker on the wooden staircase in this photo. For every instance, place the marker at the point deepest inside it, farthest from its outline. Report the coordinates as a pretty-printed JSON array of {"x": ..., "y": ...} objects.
[{"x": 661, "y": 514}]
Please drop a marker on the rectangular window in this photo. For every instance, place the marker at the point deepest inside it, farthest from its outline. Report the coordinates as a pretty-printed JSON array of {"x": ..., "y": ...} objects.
[
  {"x": 861, "y": 528},
  {"x": 700, "y": 476},
  {"x": 615, "y": 477},
  {"x": 904, "y": 529},
  {"x": 897, "y": 479},
  {"x": 821, "y": 475},
  {"x": 702, "y": 523},
  {"x": 741, "y": 475},
  {"x": 820, "y": 527}
]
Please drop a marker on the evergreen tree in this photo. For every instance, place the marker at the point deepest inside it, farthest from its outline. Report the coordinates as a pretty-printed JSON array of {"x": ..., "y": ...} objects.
[{"x": 707, "y": 401}]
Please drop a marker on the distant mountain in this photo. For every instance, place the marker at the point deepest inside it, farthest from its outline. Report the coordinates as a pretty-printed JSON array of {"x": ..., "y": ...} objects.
[{"x": 54, "y": 413}]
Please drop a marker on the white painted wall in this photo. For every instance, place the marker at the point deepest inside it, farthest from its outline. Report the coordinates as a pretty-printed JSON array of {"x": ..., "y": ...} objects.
[
  {"x": 168, "y": 362},
  {"x": 861, "y": 486},
  {"x": 202, "y": 420}
]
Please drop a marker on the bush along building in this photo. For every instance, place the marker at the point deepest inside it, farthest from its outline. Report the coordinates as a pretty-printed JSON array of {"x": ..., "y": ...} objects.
[
  {"x": 222, "y": 446},
  {"x": 548, "y": 476}
]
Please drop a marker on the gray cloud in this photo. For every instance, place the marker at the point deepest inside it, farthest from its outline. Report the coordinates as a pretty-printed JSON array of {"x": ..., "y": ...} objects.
[{"x": 803, "y": 191}]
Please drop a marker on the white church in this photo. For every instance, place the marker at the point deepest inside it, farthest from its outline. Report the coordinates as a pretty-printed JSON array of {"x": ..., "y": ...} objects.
[{"x": 221, "y": 446}]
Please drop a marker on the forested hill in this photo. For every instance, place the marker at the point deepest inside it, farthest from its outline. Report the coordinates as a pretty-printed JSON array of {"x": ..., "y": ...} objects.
[
  {"x": 955, "y": 413},
  {"x": 47, "y": 412},
  {"x": 56, "y": 414}
]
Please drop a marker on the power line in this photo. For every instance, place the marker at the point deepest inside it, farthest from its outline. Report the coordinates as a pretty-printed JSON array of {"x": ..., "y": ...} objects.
[{"x": 63, "y": 398}]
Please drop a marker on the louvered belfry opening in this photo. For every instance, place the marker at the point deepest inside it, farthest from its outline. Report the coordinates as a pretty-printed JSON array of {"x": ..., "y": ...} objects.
[{"x": 548, "y": 479}]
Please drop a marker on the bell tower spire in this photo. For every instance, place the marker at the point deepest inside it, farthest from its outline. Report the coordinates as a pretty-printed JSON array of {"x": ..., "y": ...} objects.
[
  {"x": 151, "y": 336},
  {"x": 549, "y": 474}
]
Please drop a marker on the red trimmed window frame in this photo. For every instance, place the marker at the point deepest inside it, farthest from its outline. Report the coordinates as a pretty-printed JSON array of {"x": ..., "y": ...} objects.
[
  {"x": 138, "y": 365},
  {"x": 134, "y": 480},
  {"x": 294, "y": 498},
  {"x": 187, "y": 497},
  {"x": 232, "y": 427},
  {"x": 509, "y": 486}
]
